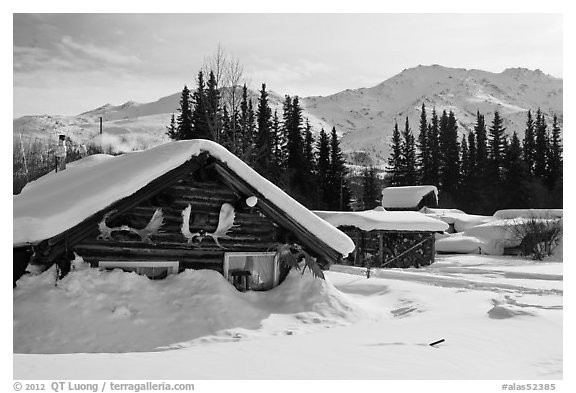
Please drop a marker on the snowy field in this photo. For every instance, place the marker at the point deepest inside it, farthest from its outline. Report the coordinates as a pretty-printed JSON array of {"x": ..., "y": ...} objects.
[{"x": 500, "y": 317}]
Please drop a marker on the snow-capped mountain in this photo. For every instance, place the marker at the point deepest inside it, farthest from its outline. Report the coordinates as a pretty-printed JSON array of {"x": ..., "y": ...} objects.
[
  {"x": 364, "y": 117},
  {"x": 367, "y": 115}
]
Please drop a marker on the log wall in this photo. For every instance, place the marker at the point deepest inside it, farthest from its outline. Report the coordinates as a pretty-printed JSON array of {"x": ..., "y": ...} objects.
[
  {"x": 391, "y": 248},
  {"x": 254, "y": 231}
]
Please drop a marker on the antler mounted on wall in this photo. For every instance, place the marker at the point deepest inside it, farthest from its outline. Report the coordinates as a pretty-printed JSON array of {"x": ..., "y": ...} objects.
[
  {"x": 153, "y": 227},
  {"x": 225, "y": 224}
]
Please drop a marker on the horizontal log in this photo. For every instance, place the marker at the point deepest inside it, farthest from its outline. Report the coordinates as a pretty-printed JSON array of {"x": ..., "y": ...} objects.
[
  {"x": 183, "y": 263},
  {"x": 207, "y": 190}
]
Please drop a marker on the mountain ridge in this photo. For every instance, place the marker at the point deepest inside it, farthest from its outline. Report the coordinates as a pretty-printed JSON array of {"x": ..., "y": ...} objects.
[{"x": 364, "y": 117}]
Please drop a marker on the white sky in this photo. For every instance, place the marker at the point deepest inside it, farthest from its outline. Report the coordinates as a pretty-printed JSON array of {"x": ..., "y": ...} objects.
[{"x": 70, "y": 63}]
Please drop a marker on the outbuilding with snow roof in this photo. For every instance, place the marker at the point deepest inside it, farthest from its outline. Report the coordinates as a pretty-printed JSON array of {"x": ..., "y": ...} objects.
[
  {"x": 181, "y": 205},
  {"x": 409, "y": 197},
  {"x": 388, "y": 238}
]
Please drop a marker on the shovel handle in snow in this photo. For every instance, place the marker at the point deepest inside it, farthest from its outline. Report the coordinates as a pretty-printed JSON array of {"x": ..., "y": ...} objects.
[{"x": 436, "y": 342}]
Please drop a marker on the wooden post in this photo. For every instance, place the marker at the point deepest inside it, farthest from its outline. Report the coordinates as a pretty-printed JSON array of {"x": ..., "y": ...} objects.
[{"x": 380, "y": 249}]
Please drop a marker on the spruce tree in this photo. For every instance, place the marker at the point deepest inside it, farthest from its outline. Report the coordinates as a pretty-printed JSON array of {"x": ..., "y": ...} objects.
[
  {"x": 295, "y": 144},
  {"x": 466, "y": 169},
  {"x": 213, "y": 110},
  {"x": 323, "y": 167},
  {"x": 200, "y": 125},
  {"x": 434, "y": 146},
  {"x": 395, "y": 161},
  {"x": 172, "y": 130},
  {"x": 555, "y": 172},
  {"x": 516, "y": 190},
  {"x": 541, "y": 145},
  {"x": 481, "y": 142},
  {"x": 309, "y": 148},
  {"x": 278, "y": 144},
  {"x": 496, "y": 143},
  {"x": 264, "y": 155},
  {"x": 472, "y": 154},
  {"x": 529, "y": 145},
  {"x": 449, "y": 156},
  {"x": 370, "y": 190},
  {"x": 409, "y": 155},
  {"x": 424, "y": 155},
  {"x": 184, "y": 120},
  {"x": 339, "y": 191}
]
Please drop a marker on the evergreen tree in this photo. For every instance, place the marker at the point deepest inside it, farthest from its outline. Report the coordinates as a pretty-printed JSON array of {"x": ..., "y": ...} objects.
[
  {"x": 466, "y": 169},
  {"x": 339, "y": 196},
  {"x": 226, "y": 134},
  {"x": 555, "y": 172},
  {"x": 395, "y": 161},
  {"x": 434, "y": 146},
  {"x": 286, "y": 125},
  {"x": 449, "y": 157},
  {"x": 481, "y": 142},
  {"x": 472, "y": 154},
  {"x": 409, "y": 156},
  {"x": 541, "y": 145},
  {"x": 295, "y": 144},
  {"x": 172, "y": 130},
  {"x": 497, "y": 140},
  {"x": 277, "y": 156},
  {"x": 515, "y": 188},
  {"x": 213, "y": 110},
  {"x": 424, "y": 157},
  {"x": 264, "y": 155},
  {"x": 323, "y": 167},
  {"x": 309, "y": 160},
  {"x": 184, "y": 127},
  {"x": 529, "y": 146},
  {"x": 200, "y": 126},
  {"x": 370, "y": 190}
]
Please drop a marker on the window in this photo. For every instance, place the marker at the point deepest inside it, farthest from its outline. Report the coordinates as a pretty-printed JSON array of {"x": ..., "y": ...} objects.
[
  {"x": 154, "y": 270},
  {"x": 257, "y": 271}
]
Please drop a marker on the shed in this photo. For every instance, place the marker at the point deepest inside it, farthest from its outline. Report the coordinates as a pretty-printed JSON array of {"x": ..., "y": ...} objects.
[
  {"x": 182, "y": 205},
  {"x": 388, "y": 239},
  {"x": 411, "y": 198}
]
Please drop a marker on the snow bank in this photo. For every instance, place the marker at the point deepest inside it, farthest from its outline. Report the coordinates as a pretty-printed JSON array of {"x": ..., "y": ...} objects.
[
  {"x": 490, "y": 238},
  {"x": 380, "y": 219},
  {"x": 57, "y": 202},
  {"x": 458, "y": 243},
  {"x": 407, "y": 196},
  {"x": 100, "y": 311},
  {"x": 529, "y": 213},
  {"x": 461, "y": 221}
]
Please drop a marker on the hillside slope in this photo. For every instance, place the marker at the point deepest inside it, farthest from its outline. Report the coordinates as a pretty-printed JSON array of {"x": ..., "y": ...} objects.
[{"x": 364, "y": 117}]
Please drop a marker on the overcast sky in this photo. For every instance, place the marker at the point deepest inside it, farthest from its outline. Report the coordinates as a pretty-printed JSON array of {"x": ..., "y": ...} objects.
[{"x": 70, "y": 63}]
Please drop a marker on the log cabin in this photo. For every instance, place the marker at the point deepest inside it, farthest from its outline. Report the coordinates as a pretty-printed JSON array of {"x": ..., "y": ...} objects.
[
  {"x": 182, "y": 205},
  {"x": 388, "y": 239}
]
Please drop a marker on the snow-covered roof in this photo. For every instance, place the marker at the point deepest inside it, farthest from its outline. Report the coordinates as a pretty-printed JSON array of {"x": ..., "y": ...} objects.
[
  {"x": 406, "y": 196},
  {"x": 380, "y": 219},
  {"x": 59, "y": 201}
]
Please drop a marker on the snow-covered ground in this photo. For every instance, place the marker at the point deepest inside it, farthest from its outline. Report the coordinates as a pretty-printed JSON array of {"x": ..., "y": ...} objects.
[{"x": 500, "y": 317}]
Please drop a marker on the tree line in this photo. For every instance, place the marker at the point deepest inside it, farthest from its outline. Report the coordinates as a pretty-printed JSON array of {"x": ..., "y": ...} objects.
[
  {"x": 485, "y": 170},
  {"x": 283, "y": 150}
]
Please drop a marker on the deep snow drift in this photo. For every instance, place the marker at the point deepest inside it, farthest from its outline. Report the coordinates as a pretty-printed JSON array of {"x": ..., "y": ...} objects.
[{"x": 501, "y": 318}]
